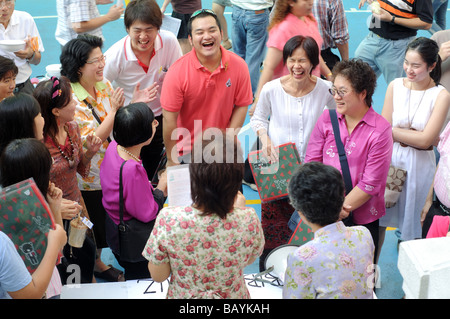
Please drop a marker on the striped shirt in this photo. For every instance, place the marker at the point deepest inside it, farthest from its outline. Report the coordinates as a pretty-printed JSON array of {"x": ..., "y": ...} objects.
[
  {"x": 333, "y": 26},
  {"x": 408, "y": 9},
  {"x": 75, "y": 11}
]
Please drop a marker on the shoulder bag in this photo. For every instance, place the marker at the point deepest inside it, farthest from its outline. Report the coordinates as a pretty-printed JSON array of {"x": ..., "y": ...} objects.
[
  {"x": 343, "y": 160},
  {"x": 127, "y": 239},
  {"x": 89, "y": 105}
]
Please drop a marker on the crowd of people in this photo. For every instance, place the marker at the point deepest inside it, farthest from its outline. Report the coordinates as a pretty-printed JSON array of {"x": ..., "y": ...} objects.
[{"x": 94, "y": 138}]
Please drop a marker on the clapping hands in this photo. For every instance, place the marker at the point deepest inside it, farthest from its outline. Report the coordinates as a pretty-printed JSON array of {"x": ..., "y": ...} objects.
[
  {"x": 145, "y": 95},
  {"x": 93, "y": 143}
]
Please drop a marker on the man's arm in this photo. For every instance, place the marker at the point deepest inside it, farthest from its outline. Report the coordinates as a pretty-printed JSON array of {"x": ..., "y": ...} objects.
[
  {"x": 343, "y": 50},
  {"x": 113, "y": 14},
  {"x": 414, "y": 23},
  {"x": 169, "y": 126},
  {"x": 339, "y": 28},
  {"x": 237, "y": 118}
]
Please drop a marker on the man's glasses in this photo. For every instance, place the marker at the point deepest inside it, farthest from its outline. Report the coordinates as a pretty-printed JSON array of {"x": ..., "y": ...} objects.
[{"x": 7, "y": 3}]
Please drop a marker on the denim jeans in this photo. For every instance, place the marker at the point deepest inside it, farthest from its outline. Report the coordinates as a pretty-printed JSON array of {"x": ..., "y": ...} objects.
[
  {"x": 383, "y": 55},
  {"x": 249, "y": 39},
  {"x": 440, "y": 15}
]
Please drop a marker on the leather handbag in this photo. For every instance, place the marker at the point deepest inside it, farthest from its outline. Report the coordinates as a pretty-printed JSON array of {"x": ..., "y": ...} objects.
[
  {"x": 394, "y": 185},
  {"x": 343, "y": 160},
  {"x": 127, "y": 239}
]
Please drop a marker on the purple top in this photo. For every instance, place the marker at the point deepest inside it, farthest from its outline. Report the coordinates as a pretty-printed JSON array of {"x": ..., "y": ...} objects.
[
  {"x": 369, "y": 150},
  {"x": 138, "y": 197}
]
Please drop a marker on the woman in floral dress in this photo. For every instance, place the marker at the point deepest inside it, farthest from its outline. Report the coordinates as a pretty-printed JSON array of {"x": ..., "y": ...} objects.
[
  {"x": 337, "y": 263},
  {"x": 206, "y": 246}
]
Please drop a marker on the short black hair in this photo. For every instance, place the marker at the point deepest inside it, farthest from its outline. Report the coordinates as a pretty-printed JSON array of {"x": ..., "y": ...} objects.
[
  {"x": 75, "y": 54},
  {"x": 133, "y": 124},
  {"x": 203, "y": 14},
  {"x": 217, "y": 177},
  {"x": 7, "y": 66},
  {"x": 318, "y": 192},
  {"x": 23, "y": 159},
  {"x": 146, "y": 11},
  {"x": 360, "y": 75},
  {"x": 17, "y": 114},
  {"x": 306, "y": 43}
]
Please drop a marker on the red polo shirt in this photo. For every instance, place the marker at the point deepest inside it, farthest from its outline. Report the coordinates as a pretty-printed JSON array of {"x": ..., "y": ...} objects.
[{"x": 197, "y": 94}]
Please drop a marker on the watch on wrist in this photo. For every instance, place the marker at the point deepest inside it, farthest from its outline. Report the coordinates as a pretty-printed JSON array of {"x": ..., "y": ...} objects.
[{"x": 392, "y": 20}]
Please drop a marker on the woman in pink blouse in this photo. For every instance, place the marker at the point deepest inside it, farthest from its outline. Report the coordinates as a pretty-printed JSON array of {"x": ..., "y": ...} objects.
[
  {"x": 62, "y": 139},
  {"x": 367, "y": 140},
  {"x": 134, "y": 128}
]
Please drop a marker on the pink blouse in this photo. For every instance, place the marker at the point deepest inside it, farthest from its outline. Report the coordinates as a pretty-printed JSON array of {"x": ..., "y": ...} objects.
[
  {"x": 286, "y": 29},
  {"x": 368, "y": 149},
  {"x": 138, "y": 197}
]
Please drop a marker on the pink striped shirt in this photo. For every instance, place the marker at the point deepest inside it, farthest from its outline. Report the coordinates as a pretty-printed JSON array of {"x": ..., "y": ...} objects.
[{"x": 368, "y": 149}]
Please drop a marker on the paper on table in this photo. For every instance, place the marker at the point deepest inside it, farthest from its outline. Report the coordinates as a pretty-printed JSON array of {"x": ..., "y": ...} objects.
[
  {"x": 179, "y": 185},
  {"x": 171, "y": 24}
]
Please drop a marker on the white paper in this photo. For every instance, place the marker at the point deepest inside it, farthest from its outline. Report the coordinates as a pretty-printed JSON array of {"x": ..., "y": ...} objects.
[
  {"x": 179, "y": 185},
  {"x": 171, "y": 24},
  {"x": 269, "y": 288}
]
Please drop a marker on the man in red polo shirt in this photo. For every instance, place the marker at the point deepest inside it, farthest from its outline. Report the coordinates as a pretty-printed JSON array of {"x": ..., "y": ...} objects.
[{"x": 208, "y": 87}]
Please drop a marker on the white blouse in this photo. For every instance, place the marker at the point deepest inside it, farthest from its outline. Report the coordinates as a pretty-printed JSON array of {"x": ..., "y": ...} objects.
[{"x": 291, "y": 119}]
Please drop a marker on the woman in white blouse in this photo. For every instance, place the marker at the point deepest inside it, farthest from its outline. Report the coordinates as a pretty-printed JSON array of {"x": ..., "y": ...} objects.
[
  {"x": 287, "y": 110},
  {"x": 288, "y": 107}
]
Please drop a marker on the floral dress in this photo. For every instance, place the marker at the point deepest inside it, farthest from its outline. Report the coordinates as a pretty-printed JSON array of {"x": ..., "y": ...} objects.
[
  {"x": 207, "y": 254},
  {"x": 337, "y": 263}
]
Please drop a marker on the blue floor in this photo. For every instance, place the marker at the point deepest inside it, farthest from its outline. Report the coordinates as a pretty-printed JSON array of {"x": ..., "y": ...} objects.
[{"x": 44, "y": 13}]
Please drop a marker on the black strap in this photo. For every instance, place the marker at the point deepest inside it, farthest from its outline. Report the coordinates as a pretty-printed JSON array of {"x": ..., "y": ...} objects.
[
  {"x": 121, "y": 223},
  {"x": 95, "y": 115},
  {"x": 341, "y": 151}
]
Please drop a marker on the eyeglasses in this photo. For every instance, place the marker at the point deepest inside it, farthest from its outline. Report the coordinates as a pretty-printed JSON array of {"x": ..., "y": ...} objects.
[
  {"x": 196, "y": 13},
  {"x": 333, "y": 92},
  {"x": 97, "y": 60},
  {"x": 7, "y": 3}
]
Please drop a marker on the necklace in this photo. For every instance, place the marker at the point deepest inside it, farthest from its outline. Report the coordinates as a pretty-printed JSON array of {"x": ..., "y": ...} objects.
[
  {"x": 418, "y": 105},
  {"x": 129, "y": 153},
  {"x": 69, "y": 159}
]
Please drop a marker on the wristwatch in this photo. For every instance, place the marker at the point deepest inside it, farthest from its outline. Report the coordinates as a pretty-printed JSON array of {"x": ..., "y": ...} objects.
[{"x": 392, "y": 20}]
